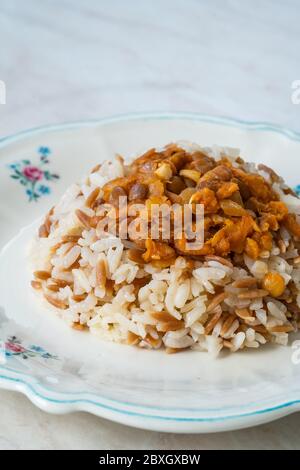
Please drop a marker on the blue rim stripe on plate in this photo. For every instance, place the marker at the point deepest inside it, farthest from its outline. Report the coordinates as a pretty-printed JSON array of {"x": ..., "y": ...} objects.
[
  {"x": 144, "y": 415},
  {"x": 130, "y": 404},
  {"x": 227, "y": 121}
]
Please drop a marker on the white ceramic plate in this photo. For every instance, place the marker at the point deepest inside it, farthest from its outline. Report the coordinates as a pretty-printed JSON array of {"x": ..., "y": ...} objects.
[{"x": 62, "y": 370}]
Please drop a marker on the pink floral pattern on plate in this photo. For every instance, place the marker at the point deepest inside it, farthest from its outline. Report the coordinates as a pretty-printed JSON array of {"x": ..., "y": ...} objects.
[
  {"x": 14, "y": 347},
  {"x": 34, "y": 178}
]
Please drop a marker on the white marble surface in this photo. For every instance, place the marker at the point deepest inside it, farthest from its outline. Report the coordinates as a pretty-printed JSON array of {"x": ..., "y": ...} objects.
[{"x": 67, "y": 60}]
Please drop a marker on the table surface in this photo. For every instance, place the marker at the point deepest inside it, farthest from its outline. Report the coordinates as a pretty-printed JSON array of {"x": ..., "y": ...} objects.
[{"x": 64, "y": 60}]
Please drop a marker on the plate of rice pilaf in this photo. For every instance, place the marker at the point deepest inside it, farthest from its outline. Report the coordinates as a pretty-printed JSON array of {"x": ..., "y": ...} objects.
[{"x": 162, "y": 288}]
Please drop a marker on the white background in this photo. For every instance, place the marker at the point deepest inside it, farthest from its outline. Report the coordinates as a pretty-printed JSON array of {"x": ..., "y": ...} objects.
[{"x": 67, "y": 60}]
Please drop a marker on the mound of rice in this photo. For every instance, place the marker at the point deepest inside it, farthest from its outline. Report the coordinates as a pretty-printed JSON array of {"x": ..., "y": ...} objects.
[{"x": 235, "y": 294}]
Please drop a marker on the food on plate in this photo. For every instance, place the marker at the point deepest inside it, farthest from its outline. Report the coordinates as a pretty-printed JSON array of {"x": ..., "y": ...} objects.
[{"x": 238, "y": 288}]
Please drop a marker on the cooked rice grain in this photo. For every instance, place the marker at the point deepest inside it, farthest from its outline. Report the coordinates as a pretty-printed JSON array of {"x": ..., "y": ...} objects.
[{"x": 211, "y": 302}]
